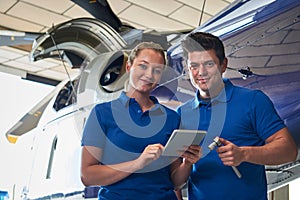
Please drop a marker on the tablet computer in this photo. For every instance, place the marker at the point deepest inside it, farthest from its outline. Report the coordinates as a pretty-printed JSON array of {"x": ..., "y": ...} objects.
[{"x": 181, "y": 139}]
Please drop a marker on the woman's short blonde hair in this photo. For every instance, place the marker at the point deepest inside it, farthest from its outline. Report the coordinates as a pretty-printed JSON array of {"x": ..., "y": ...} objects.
[{"x": 145, "y": 45}]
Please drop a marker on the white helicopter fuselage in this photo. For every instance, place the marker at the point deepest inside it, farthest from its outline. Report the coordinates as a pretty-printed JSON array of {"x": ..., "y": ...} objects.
[{"x": 51, "y": 152}]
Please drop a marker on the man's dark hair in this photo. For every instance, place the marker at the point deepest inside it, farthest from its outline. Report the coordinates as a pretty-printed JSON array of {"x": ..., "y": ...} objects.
[{"x": 201, "y": 41}]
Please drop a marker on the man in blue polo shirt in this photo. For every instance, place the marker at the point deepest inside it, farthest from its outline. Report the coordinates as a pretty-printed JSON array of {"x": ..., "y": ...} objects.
[{"x": 250, "y": 130}]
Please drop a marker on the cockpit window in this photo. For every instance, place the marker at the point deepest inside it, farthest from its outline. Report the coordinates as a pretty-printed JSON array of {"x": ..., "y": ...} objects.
[{"x": 66, "y": 96}]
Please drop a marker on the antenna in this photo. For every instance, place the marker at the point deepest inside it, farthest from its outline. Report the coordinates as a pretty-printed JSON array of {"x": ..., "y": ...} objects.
[
  {"x": 65, "y": 67},
  {"x": 184, "y": 72},
  {"x": 173, "y": 79},
  {"x": 202, "y": 12},
  {"x": 245, "y": 72}
]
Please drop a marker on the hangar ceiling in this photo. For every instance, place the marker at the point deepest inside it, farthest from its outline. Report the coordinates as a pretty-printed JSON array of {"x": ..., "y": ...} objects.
[{"x": 40, "y": 15}]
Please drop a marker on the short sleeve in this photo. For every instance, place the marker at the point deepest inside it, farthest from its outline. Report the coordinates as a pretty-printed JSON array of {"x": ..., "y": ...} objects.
[
  {"x": 93, "y": 134},
  {"x": 267, "y": 121}
]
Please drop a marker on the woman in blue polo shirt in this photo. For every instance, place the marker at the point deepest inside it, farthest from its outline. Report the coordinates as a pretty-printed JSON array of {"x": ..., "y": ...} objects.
[{"x": 123, "y": 139}]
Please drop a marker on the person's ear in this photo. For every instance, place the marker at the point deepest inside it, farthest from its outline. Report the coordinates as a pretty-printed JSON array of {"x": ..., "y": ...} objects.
[
  {"x": 128, "y": 66},
  {"x": 224, "y": 65}
]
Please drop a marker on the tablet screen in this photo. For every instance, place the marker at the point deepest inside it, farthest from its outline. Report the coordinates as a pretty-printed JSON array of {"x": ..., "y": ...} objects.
[{"x": 181, "y": 139}]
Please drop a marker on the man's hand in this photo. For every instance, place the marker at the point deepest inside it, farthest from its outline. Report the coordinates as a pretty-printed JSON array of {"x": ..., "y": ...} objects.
[
  {"x": 229, "y": 153},
  {"x": 192, "y": 154}
]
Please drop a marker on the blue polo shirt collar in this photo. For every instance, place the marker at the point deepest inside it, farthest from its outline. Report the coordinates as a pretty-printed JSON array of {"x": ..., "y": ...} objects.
[
  {"x": 224, "y": 96},
  {"x": 126, "y": 101}
]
